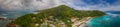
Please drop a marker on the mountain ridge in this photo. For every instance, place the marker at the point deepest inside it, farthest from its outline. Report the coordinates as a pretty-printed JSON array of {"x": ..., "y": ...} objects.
[{"x": 55, "y": 16}]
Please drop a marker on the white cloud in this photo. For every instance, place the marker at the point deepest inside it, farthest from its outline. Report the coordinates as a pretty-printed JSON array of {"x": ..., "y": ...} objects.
[
  {"x": 103, "y": 6},
  {"x": 12, "y": 5},
  {"x": 43, "y": 4}
]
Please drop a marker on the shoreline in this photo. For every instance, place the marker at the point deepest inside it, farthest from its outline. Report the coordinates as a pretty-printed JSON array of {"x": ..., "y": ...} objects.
[{"x": 83, "y": 22}]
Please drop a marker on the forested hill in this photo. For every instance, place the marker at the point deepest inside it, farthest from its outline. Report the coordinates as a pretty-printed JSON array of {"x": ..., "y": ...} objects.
[{"x": 55, "y": 16}]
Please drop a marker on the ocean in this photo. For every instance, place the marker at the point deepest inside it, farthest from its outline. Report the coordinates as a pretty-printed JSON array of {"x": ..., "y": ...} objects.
[
  {"x": 112, "y": 19},
  {"x": 11, "y": 15}
]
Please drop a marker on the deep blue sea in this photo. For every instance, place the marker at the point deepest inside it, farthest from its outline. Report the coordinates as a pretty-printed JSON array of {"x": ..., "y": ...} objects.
[{"x": 112, "y": 19}]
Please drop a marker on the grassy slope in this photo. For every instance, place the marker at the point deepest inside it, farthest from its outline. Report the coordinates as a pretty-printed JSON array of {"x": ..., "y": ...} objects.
[{"x": 61, "y": 13}]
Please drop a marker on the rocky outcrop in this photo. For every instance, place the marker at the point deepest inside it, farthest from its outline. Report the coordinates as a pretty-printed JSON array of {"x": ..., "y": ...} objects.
[{"x": 11, "y": 25}]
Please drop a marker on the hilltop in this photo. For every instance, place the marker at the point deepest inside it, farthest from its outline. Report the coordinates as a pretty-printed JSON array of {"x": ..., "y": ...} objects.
[{"x": 61, "y": 16}]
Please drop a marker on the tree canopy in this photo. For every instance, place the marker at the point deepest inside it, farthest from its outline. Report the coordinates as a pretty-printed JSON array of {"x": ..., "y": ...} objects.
[{"x": 56, "y": 14}]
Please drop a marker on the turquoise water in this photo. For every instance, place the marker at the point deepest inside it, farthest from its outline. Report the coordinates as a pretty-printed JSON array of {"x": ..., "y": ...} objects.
[{"x": 109, "y": 20}]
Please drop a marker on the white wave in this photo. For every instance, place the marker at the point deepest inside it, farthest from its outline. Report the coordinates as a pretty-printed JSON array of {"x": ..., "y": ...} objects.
[{"x": 112, "y": 15}]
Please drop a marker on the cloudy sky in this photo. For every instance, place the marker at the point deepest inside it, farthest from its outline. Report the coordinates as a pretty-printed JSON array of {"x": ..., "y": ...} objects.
[
  {"x": 98, "y": 4},
  {"x": 15, "y": 5}
]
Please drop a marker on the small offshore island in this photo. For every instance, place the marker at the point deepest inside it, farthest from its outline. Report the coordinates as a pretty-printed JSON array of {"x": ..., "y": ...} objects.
[{"x": 61, "y": 16}]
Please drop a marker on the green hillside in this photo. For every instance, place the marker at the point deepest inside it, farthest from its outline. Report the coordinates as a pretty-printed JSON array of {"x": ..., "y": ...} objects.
[{"x": 55, "y": 16}]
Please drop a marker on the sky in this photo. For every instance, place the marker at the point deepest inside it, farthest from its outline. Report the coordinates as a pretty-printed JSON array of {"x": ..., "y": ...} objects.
[
  {"x": 104, "y": 5},
  {"x": 32, "y": 5}
]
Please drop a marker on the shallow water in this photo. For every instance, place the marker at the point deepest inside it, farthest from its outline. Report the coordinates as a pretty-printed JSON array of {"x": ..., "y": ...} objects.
[{"x": 109, "y": 20}]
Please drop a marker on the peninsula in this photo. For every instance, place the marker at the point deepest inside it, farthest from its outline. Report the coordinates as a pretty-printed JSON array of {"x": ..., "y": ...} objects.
[{"x": 60, "y": 16}]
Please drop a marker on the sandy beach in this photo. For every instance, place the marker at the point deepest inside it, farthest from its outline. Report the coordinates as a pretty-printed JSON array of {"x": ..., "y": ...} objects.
[{"x": 82, "y": 23}]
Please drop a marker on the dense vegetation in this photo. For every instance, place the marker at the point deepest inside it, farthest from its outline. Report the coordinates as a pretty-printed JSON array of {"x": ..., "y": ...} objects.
[{"x": 55, "y": 16}]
